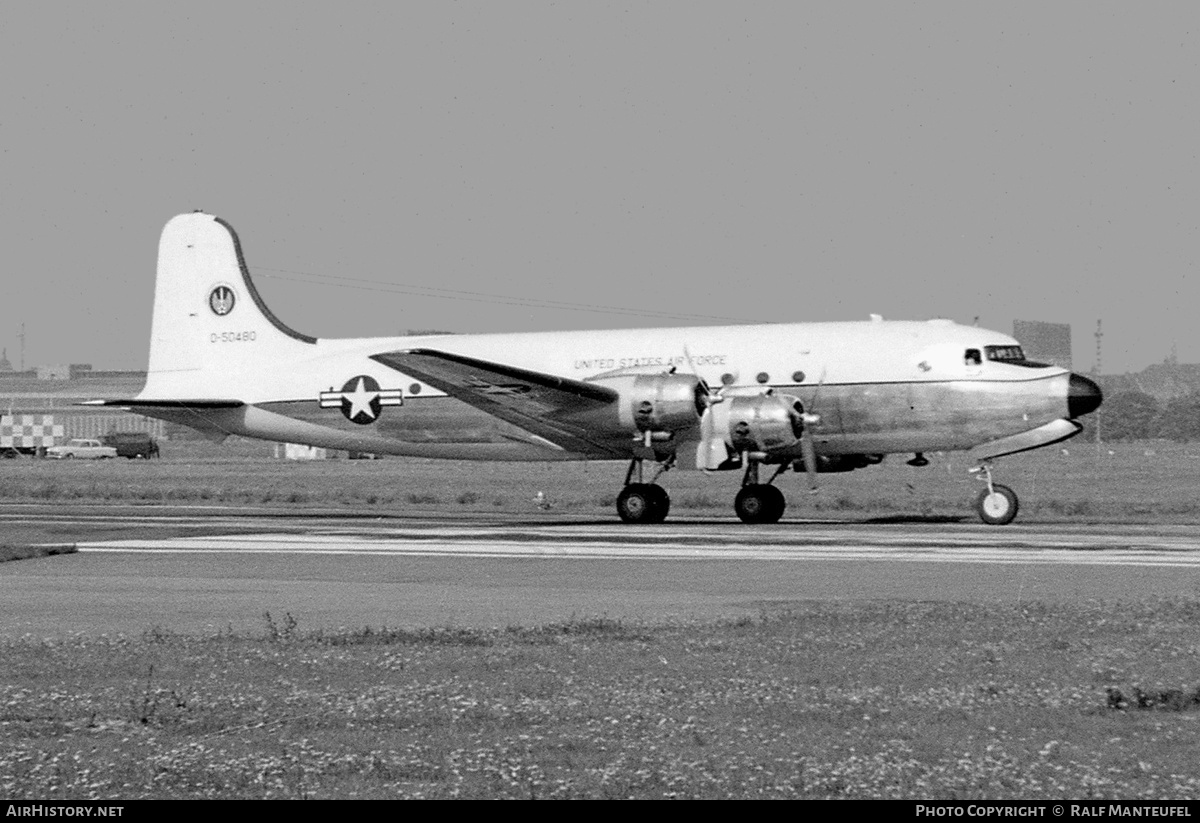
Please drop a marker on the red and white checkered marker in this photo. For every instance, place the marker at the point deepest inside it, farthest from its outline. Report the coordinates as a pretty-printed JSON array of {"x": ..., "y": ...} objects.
[{"x": 29, "y": 431}]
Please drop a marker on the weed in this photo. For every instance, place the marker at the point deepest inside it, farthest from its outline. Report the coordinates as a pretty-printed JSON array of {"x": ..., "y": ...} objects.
[
  {"x": 144, "y": 710},
  {"x": 1158, "y": 699},
  {"x": 277, "y": 633},
  {"x": 157, "y": 634}
]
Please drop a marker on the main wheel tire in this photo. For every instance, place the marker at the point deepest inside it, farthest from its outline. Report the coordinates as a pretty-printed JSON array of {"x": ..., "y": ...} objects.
[
  {"x": 759, "y": 503},
  {"x": 997, "y": 507},
  {"x": 636, "y": 503},
  {"x": 660, "y": 503}
]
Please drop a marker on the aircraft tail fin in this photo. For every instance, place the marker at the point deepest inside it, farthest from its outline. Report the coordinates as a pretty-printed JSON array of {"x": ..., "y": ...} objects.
[{"x": 211, "y": 331}]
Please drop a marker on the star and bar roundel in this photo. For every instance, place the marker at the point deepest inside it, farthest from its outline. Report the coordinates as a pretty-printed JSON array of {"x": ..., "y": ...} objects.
[{"x": 361, "y": 399}]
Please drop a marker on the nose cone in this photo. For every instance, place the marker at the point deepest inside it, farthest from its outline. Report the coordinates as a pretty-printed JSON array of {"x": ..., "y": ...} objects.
[{"x": 1083, "y": 396}]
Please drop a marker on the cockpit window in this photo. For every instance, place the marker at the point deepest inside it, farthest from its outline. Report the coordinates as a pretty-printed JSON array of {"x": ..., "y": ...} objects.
[
  {"x": 1005, "y": 354},
  {"x": 972, "y": 357},
  {"x": 1013, "y": 355}
]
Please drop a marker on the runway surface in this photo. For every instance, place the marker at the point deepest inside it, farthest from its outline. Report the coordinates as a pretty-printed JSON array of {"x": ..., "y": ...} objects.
[
  {"x": 696, "y": 541},
  {"x": 200, "y": 569}
]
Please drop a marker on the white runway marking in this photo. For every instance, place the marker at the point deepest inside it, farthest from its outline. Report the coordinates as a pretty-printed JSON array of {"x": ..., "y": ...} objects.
[{"x": 1129, "y": 546}]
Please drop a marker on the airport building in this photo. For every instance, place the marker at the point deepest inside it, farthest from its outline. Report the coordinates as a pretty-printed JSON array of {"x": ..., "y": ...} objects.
[{"x": 58, "y": 391}]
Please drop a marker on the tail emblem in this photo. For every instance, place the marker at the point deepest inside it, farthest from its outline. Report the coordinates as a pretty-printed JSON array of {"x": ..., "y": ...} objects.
[
  {"x": 221, "y": 300},
  {"x": 361, "y": 399}
]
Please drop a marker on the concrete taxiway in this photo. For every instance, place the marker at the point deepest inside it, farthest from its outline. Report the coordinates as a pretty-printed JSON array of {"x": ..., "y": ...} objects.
[{"x": 198, "y": 570}]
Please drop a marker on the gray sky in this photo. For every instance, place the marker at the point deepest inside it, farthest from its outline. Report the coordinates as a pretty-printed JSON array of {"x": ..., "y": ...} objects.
[{"x": 743, "y": 161}]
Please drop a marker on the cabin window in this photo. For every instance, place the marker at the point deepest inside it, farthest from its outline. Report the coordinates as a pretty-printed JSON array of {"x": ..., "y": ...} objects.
[
  {"x": 727, "y": 379},
  {"x": 973, "y": 358},
  {"x": 763, "y": 377},
  {"x": 797, "y": 377}
]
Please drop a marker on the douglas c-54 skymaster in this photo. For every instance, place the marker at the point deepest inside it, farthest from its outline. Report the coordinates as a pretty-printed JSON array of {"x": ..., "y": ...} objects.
[{"x": 759, "y": 399}]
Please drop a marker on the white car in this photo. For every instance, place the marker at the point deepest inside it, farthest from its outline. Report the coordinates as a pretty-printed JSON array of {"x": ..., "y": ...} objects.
[{"x": 82, "y": 449}]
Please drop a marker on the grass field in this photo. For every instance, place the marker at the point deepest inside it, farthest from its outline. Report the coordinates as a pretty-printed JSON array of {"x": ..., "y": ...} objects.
[
  {"x": 930, "y": 701},
  {"x": 826, "y": 700},
  {"x": 1156, "y": 482}
]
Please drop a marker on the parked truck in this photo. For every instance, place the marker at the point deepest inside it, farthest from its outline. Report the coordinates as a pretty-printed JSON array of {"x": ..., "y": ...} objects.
[{"x": 132, "y": 444}]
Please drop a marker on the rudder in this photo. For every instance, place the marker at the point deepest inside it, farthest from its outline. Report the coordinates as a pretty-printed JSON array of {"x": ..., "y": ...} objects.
[{"x": 209, "y": 322}]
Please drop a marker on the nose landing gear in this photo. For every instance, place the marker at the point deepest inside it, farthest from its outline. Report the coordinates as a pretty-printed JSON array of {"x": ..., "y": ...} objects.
[{"x": 996, "y": 505}]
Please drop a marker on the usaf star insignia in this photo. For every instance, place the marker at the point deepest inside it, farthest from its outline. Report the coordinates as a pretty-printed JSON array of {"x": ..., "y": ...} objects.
[{"x": 361, "y": 399}]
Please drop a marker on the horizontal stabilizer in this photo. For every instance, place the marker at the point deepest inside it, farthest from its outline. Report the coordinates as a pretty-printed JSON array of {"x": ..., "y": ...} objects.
[
  {"x": 542, "y": 404},
  {"x": 166, "y": 404}
]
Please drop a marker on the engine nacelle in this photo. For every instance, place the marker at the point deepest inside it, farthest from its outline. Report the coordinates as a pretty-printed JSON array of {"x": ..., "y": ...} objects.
[
  {"x": 770, "y": 423},
  {"x": 658, "y": 402}
]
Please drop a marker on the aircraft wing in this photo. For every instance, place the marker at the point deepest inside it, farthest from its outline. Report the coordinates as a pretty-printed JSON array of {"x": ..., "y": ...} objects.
[{"x": 552, "y": 408}]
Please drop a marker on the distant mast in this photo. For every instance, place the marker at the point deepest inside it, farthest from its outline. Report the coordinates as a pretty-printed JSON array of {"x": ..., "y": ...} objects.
[{"x": 1099, "y": 337}]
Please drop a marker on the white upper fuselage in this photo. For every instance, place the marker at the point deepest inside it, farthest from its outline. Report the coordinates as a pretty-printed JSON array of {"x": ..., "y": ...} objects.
[{"x": 784, "y": 355}]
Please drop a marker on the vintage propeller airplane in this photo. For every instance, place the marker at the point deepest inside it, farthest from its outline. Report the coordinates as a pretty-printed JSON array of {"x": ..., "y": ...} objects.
[{"x": 813, "y": 397}]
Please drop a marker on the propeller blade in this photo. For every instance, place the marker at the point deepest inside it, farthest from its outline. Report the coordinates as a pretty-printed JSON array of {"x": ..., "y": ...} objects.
[
  {"x": 806, "y": 445},
  {"x": 711, "y": 397},
  {"x": 810, "y": 459},
  {"x": 710, "y": 451},
  {"x": 688, "y": 357}
]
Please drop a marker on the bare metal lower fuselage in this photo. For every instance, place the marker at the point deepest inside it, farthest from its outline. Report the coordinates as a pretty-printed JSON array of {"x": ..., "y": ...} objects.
[{"x": 870, "y": 418}]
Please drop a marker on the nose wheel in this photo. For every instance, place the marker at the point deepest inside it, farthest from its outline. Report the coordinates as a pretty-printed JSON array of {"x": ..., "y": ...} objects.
[{"x": 996, "y": 505}]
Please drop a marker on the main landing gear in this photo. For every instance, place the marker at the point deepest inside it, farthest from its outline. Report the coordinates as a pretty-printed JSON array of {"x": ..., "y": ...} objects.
[
  {"x": 996, "y": 505},
  {"x": 642, "y": 502},
  {"x": 759, "y": 502},
  {"x": 648, "y": 502}
]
